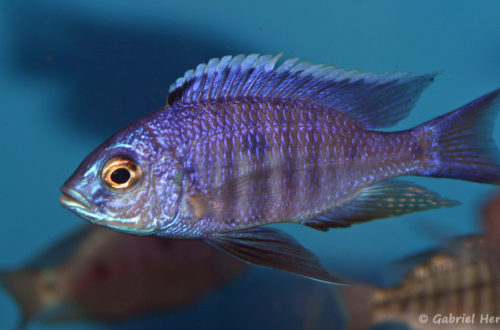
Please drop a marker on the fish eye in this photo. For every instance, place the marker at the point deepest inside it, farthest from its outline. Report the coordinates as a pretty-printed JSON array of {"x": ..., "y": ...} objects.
[{"x": 120, "y": 174}]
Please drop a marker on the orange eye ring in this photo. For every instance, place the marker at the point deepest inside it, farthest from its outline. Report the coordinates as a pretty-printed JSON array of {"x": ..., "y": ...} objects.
[{"x": 121, "y": 174}]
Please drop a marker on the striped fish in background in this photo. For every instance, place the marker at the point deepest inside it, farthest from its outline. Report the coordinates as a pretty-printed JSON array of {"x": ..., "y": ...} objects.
[{"x": 460, "y": 279}]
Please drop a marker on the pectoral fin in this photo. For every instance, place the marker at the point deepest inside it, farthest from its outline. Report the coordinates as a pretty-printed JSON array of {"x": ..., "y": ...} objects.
[
  {"x": 274, "y": 249},
  {"x": 382, "y": 200}
]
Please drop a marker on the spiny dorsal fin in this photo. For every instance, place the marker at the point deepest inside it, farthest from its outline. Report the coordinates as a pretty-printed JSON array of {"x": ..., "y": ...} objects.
[{"x": 374, "y": 100}]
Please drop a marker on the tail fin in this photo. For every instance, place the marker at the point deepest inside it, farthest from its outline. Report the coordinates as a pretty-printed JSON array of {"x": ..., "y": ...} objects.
[
  {"x": 21, "y": 285},
  {"x": 462, "y": 142}
]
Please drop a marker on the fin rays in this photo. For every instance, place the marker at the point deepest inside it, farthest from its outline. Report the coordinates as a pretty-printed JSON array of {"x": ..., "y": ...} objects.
[
  {"x": 373, "y": 100},
  {"x": 272, "y": 248},
  {"x": 385, "y": 199}
]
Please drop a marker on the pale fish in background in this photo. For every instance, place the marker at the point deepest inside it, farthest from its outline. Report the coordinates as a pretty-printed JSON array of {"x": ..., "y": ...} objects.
[
  {"x": 100, "y": 274},
  {"x": 243, "y": 143}
]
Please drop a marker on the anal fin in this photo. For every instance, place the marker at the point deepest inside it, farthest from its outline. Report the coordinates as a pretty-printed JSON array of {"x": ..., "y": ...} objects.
[
  {"x": 272, "y": 248},
  {"x": 382, "y": 200}
]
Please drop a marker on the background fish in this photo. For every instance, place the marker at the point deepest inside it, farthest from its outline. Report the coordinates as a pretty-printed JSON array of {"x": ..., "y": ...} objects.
[
  {"x": 101, "y": 274},
  {"x": 243, "y": 143},
  {"x": 491, "y": 223},
  {"x": 462, "y": 277},
  {"x": 458, "y": 279}
]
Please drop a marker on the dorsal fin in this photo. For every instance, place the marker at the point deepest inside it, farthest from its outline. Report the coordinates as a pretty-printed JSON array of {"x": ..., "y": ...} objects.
[{"x": 374, "y": 100}]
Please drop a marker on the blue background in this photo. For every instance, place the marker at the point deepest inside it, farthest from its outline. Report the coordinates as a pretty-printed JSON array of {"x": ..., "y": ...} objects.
[{"x": 73, "y": 72}]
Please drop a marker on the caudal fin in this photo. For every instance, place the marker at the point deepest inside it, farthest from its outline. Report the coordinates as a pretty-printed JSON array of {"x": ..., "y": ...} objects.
[
  {"x": 461, "y": 142},
  {"x": 21, "y": 285}
]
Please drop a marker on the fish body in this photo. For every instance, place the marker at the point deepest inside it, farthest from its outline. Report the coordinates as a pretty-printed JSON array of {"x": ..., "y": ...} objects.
[
  {"x": 100, "y": 274},
  {"x": 242, "y": 144},
  {"x": 258, "y": 163},
  {"x": 461, "y": 282}
]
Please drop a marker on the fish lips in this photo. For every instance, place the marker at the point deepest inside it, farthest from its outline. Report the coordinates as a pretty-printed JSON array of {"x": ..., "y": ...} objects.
[{"x": 74, "y": 201}]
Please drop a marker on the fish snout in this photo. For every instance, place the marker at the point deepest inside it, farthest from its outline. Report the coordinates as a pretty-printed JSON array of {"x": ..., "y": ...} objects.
[{"x": 73, "y": 200}]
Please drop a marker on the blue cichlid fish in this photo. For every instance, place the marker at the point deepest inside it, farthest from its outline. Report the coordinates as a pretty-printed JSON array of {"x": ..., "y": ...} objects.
[{"x": 242, "y": 143}]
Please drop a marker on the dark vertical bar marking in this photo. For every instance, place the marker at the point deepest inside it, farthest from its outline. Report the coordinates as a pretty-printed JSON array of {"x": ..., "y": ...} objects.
[{"x": 313, "y": 166}]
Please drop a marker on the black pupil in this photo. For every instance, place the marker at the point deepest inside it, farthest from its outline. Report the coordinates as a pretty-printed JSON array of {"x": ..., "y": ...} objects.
[{"x": 120, "y": 176}]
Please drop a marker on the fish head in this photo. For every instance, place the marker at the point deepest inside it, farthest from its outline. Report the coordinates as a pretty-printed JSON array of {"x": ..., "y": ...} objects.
[{"x": 127, "y": 184}]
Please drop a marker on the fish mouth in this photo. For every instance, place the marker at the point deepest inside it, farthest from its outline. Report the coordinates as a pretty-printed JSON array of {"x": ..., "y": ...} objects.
[{"x": 73, "y": 200}]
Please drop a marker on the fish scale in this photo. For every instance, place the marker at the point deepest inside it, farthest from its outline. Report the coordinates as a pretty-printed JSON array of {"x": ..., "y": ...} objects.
[
  {"x": 332, "y": 163},
  {"x": 243, "y": 143}
]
